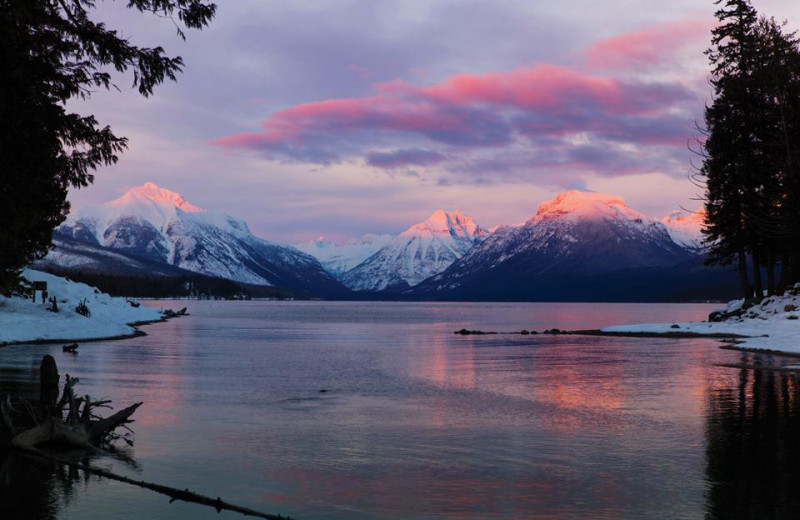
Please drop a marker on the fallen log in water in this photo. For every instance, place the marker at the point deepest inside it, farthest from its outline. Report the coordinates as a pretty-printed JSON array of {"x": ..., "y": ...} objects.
[{"x": 71, "y": 422}]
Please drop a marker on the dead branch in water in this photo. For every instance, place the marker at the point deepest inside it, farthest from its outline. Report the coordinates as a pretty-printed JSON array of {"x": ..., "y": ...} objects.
[
  {"x": 70, "y": 421},
  {"x": 182, "y": 495}
]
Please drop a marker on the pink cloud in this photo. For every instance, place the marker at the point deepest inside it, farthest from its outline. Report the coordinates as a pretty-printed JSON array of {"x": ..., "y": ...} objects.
[
  {"x": 554, "y": 90},
  {"x": 652, "y": 46},
  {"x": 543, "y": 105},
  {"x": 463, "y": 109}
]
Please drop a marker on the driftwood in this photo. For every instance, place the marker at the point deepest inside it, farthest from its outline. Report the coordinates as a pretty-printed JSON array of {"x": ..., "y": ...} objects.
[
  {"x": 69, "y": 420},
  {"x": 175, "y": 494},
  {"x": 169, "y": 313}
]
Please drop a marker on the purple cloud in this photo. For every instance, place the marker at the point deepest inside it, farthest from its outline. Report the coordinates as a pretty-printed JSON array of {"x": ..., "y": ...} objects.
[
  {"x": 547, "y": 104},
  {"x": 404, "y": 158}
]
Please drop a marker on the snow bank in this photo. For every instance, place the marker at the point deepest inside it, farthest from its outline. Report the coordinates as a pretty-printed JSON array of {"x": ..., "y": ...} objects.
[
  {"x": 773, "y": 325},
  {"x": 22, "y": 321}
]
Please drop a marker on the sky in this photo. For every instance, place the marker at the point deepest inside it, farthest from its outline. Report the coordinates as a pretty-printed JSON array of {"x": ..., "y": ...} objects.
[{"x": 343, "y": 117}]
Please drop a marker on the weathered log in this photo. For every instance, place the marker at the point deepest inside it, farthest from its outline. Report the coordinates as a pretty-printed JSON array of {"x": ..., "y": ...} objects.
[
  {"x": 52, "y": 431},
  {"x": 65, "y": 396},
  {"x": 72, "y": 416},
  {"x": 103, "y": 427},
  {"x": 183, "y": 495},
  {"x": 48, "y": 385},
  {"x": 86, "y": 416},
  {"x": 80, "y": 428}
]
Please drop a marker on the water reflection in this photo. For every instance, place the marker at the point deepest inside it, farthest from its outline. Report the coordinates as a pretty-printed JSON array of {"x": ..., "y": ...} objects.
[
  {"x": 34, "y": 488},
  {"x": 416, "y": 422},
  {"x": 753, "y": 445}
]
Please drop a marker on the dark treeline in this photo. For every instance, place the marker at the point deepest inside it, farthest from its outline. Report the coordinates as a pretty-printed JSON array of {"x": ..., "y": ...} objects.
[
  {"x": 194, "y": 286},
  {"x": 751, "y": 152},
  {"x": 53, "y": 52}
]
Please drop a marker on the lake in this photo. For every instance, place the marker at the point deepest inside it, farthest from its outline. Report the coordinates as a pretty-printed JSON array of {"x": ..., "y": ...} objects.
[{"x": 329, "y": 410}]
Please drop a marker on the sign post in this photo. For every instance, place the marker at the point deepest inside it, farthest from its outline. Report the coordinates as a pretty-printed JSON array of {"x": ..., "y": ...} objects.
[{"x": 40, "y": 287}]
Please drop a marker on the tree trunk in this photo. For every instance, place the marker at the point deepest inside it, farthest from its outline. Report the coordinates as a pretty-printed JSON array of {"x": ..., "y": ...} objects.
[
  {"x": 747, "y": 291},
  {"x": 48, "y": 385},
  {"x": 759, "y": 288},
  {"x": 783, "y": 281},
  {"x": 771, "y": 290},
  {"x": 792, "y": 269},
  {"x": 79, "y": 428}
]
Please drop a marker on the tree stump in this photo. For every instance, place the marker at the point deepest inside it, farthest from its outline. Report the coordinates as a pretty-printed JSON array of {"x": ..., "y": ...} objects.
[
  {"x": 48, "y": 385},
  {"x": 69, "y": 420}
]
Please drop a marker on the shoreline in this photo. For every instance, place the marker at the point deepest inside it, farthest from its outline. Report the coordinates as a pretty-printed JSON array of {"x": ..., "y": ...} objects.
[
  {"x": 768, "y": 340},
  {"x": 644, "y": 334},
  {"x": 137, "y": 333},
  {"x": 730, "y": 341}
]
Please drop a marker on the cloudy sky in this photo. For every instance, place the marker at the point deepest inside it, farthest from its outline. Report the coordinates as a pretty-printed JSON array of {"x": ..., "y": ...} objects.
[{"x": 340, "y": 117}]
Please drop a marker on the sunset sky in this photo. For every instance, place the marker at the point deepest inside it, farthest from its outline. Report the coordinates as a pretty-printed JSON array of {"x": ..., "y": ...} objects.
[{"x": 309, "y": 118}]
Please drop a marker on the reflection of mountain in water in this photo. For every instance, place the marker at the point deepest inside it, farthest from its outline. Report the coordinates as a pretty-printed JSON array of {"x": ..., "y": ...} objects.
[{"x": 753, "y": 447}]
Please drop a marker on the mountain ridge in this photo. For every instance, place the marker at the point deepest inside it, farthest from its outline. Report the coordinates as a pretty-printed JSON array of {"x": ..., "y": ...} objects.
[
  {"x": 422, "y": 250},
  {"x": 159, "y": 225},
  {"x": 573, "y": 241},
  {"x": 576, "y": 235}
]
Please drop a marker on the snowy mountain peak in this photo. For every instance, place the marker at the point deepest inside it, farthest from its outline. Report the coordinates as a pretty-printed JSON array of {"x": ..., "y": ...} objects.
[
  {"x": 453, "y": 223},
  {"x": 694, "y": 220},
  {"x": 158, "y": 225},
  {"x": 576, "y": 204},
  {"x": 321, "y": 242},
  {"x": 686, "y": 229},
  {"x": 419, "y": 252},
  {"x": 338, "y": 258},
  {"x": 150, "y": 194}
]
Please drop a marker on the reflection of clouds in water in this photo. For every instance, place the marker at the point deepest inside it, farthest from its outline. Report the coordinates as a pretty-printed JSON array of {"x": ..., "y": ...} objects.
[{"x": 420, "y": 422}]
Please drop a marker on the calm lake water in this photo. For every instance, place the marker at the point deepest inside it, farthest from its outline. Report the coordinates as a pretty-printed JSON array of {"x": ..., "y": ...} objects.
[{"x": 418, "y": 423}]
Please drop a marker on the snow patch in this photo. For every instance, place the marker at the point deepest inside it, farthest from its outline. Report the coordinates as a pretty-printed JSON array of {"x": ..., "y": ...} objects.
[
  {"x": 686, "y": 229},
  {"x": 338, "y": 258},
  {"x": 22, "y": 320},
  {"x": 421, "y": 251},
  {"x": 577, "y": 204},
  {"x": 772, "y": 325}
]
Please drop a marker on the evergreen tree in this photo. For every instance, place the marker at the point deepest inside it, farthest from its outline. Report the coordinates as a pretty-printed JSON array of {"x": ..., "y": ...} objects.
[
  {"x": 52, "y": 51},
  {"x": 730, "y": 148},
  {"x": 779, "y": 77},
  {"x": 753, "y": 147}
]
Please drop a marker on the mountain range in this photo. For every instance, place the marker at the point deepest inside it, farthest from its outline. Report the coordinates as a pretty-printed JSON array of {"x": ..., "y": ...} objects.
[
  {"x": 151, "y": 226},
  {"x": 582, "y": 246},
  {"x": 578, "y": 246}
]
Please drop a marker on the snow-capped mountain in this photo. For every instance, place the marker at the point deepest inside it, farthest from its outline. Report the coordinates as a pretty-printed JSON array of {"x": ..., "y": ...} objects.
[
  {"x": 686, "y": 228},
  {"x": 419, "y": 252},
  {"x": 158, "y": 225},
  {"x": 337, "y": 259},
  {"x": 572, "y": 243}
]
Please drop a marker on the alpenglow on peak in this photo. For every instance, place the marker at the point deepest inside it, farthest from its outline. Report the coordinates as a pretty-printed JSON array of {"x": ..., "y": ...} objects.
[
  {"x": 150, "y": 192},
  {"x": 452, "y": 222},
  {"x": 585, "y": 204}
]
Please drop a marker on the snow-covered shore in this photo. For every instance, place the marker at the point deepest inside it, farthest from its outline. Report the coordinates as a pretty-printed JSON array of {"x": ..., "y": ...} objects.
[
  {"x": 22, "y": 321},
  {"x": 772, "y": 325}
]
